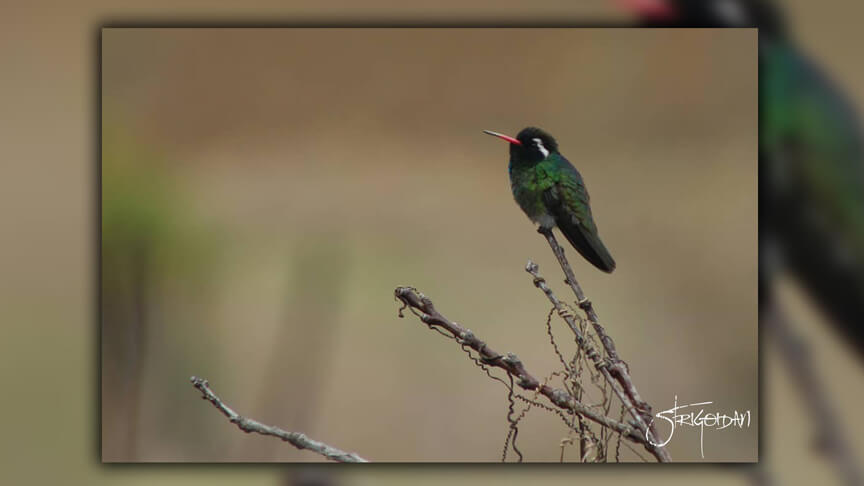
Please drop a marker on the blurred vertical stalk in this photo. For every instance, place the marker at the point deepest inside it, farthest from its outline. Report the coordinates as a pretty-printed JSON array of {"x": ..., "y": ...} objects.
[
  {"x": 301, "y": 346},
  {"x": 830, "y": 439},
  {"x": 137, "y": 343},
  {"x": 125, "y": 323},
  {"x": 151, "y": 246}
]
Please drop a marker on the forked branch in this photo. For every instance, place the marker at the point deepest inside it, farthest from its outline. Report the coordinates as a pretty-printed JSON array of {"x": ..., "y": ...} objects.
[
  {"x": 615, "y": 370},
  {"x": 604, "y": 366},
  {"x": 425, "y": 310}
]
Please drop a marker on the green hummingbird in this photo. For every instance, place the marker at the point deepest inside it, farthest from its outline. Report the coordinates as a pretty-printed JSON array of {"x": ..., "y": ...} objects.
[
  {"x": 551, "y": 193},
  {"x": 811, "y": 161}
]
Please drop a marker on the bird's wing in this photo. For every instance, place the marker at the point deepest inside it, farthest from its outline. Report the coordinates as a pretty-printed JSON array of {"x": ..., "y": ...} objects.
[
  {"x": 812, "y": 184},
  {"x": 568, "y": 202}
]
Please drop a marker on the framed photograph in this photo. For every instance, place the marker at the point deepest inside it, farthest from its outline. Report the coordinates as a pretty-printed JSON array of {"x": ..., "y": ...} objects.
[{"x": 288, "y": 212}]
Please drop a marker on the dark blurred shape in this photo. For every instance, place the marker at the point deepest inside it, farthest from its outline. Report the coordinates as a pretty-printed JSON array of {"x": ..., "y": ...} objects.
[
  {"x": 829, "y": 438},
  {"x": 150, "y": 247},
  {"x": 135, "y": 219},
  {"x": 811, "y": 163},
  {"x": 710, "y": 14},
  {"x": 309, "y": 476},
  {"x": 811, "y": 200}
]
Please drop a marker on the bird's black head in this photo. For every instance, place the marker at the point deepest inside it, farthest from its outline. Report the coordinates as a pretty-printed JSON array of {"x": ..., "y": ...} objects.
[
  {"x": 708, "y": 13},
  {"x": 530, "y": 145}
]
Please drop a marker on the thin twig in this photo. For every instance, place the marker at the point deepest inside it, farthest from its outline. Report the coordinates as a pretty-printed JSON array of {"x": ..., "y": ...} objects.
[
  {"x": 296, "y": 439},
  {"x": 617, "y": 368},
  {"x": 581, "y": 300},
  {"x": 570, "y": 375},
  {"x": 830, "y": 436},
  {"x": 603, "y": 366},
  {"x": 423, "y": 308}
]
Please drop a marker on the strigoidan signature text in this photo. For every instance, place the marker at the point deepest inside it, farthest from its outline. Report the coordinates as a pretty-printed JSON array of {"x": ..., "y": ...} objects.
[{"x": 699, "y": 419}]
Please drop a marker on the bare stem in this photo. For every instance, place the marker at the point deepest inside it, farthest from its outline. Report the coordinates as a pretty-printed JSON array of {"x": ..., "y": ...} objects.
[
  {"x": 296, "y": 439},
  {"x": 830, "y": 439},
  {"x": 581, "y": 300},
  {"x": 604, "y": 366},
  {"x": 617, "y": 367}
]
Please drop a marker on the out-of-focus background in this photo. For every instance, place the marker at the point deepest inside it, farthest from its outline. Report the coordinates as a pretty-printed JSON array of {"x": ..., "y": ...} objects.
[
  {"x": 264, "y": 191},
  {"x": 50, "y": 341}
]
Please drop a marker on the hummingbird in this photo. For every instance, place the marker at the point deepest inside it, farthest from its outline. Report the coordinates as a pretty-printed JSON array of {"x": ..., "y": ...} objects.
[
  {"x": 552, "y": 193},
  {"x": 811, "y": 161}
]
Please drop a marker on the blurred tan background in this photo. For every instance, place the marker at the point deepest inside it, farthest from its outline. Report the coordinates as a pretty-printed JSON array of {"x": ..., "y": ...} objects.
[
  {"x": 265, "y": 190},
  {"x": 49, "y": 340}
]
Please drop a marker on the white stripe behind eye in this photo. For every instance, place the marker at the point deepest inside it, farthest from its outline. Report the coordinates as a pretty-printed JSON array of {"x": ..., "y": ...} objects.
[{"x": 540, "y": 147}]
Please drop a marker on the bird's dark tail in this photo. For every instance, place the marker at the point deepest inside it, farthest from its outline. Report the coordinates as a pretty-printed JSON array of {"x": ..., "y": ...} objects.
[{"x": 587, "y": 244}]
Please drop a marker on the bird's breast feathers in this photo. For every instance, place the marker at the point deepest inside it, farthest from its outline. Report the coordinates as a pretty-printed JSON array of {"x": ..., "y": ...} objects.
[{"x": 528, "y": 185}]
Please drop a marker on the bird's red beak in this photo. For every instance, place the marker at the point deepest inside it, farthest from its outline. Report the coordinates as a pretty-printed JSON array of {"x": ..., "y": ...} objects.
[
  {"x": 650, "y": 9},
  {"x": 502, "y": 136}
]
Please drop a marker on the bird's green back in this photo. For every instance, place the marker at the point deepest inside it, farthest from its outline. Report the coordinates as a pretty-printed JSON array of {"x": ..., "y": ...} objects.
[
  {"x": 811, "y": 138},
  {"x": 530, "y": 181}
]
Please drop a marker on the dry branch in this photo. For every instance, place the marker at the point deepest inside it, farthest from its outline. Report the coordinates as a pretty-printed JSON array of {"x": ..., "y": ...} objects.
[
  {"x": 831, "y": 440},
  {"x": 614, "y": 369},
  {"x": 296, "y": 439},
  {"x": 425, "y": 310},
  {"x": 602, "y": 365}
]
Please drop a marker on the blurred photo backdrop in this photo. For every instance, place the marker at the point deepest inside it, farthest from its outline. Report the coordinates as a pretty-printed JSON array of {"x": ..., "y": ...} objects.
[
  {"x": 51, "y": 327},
  {"x": 265, "y": 190}
]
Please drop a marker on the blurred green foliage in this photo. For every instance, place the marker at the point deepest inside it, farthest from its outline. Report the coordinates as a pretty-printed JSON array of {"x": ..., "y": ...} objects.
[
  {"x": 158, "y": 260},
  {"x": 143, "y": 211}
]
